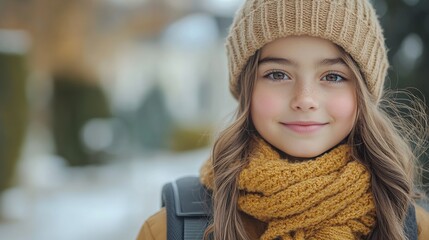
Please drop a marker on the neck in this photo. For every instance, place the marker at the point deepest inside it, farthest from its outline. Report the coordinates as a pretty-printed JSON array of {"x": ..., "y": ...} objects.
[{"x": 291, "y": 158}]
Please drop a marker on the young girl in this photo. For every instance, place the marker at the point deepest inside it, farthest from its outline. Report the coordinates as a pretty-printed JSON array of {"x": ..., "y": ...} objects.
[{"x": 311, "y": 153}]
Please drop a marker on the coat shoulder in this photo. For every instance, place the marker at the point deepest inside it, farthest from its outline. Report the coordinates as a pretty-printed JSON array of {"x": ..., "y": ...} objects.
[
  {"x": 155, "y": 227},
  {"x": 422, "y": 222}
]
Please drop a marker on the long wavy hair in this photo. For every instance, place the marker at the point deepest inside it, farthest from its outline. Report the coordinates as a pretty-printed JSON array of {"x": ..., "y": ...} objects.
[{"x": 385, "y": 141}]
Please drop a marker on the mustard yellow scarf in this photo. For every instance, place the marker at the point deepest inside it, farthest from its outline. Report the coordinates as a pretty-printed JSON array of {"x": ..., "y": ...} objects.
[{"x": 325, "y": 198}]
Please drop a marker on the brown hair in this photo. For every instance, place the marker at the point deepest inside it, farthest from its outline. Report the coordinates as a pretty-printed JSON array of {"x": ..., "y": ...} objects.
[
  {"x": 389, "y": 144},
  {"x": 382, "y": 139},
  {"x": 229, "y": 156}
]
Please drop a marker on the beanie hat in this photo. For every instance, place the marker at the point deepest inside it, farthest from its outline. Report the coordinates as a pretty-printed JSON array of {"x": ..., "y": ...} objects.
[{"x": 351, "y": 24}]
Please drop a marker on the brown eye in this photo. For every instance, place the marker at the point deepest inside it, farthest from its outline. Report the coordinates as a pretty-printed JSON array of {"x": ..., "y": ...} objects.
[
  {"x": 332, "y": 77},
  {"x": 277, "y": 76}
]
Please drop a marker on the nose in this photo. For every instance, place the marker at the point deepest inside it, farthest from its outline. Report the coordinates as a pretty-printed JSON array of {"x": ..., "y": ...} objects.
[{"x": 304, "y": 98}]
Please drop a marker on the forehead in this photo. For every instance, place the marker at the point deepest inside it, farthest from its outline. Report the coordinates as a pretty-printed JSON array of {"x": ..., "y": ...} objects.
[{"x": 301, "y": 48}]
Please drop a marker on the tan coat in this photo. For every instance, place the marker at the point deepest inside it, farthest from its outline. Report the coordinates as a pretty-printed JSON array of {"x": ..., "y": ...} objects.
[{"x": 155, "y": 228}]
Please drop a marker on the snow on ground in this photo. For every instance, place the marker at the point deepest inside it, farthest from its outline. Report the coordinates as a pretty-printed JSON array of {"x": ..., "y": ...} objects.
[{"x": 108, "y": 202}]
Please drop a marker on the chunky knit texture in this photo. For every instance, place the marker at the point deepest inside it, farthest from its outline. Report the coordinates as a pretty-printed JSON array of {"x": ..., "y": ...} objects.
[
  {"x": 325, "y": 198},
  {"x": 351, "y": 24}
]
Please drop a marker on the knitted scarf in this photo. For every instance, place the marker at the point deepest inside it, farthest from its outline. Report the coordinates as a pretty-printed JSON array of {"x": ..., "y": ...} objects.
[{"x": 324, "y": 198}]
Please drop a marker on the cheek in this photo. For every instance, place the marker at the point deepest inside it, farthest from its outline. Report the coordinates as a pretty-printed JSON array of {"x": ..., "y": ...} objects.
[
  {"x": 344, "y": 107},
  {"x": 265, "y": 104}
]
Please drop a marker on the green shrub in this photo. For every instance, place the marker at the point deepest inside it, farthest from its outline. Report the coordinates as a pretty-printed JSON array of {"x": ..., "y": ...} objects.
[
  {"x": 13, "y": 114},
  {"x": 74, "y": 103}
]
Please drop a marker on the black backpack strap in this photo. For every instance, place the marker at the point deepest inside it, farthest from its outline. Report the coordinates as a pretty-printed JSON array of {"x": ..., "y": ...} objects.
[
  {"x": 410, "y": 224},
  {"x": 188, "y": 208}
]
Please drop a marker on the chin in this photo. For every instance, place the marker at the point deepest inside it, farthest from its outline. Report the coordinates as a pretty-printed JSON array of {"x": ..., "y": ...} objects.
[
  {"x": 305, "y": 156},
  {"x": 302, "y": 155}
]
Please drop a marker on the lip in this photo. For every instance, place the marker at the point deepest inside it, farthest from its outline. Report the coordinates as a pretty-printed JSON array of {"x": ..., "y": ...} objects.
[{"x": 304, "y": 126}]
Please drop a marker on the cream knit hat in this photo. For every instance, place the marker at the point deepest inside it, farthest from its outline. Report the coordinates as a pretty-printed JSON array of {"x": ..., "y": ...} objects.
[{"x": 351, "y": 24}]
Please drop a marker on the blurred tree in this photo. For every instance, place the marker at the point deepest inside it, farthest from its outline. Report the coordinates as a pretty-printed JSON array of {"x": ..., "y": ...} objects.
[
  {"x": 406, "y": 25},
  {"x": 407, "y": 36},
  {"x": 153, "y": 123},
  {"x": 75, "y": 102},
  {"x": 13, "y": 114}
]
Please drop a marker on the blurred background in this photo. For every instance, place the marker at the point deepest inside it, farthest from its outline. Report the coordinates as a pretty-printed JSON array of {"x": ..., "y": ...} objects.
[{"x": 104, "y": 101}]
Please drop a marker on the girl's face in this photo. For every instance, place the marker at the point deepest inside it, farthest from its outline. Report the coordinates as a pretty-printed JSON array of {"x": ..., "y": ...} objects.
[{"x": 304, "y": 99}]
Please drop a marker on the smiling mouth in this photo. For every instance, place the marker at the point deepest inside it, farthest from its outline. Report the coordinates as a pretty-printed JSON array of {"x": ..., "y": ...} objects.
[{"x": 304, "y": 127}]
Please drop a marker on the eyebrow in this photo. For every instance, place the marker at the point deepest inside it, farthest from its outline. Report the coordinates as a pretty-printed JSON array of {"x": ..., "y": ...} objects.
[{"x": 285, "y": 61}]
